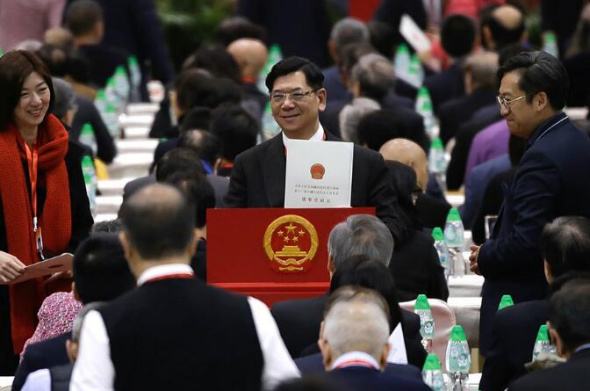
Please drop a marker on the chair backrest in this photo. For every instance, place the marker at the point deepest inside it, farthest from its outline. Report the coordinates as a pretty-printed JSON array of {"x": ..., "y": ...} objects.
[{"x": 444, "y": 320}]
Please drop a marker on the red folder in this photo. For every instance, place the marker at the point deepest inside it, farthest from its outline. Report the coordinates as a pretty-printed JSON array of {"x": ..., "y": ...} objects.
[{"x": 272, "y": 254}]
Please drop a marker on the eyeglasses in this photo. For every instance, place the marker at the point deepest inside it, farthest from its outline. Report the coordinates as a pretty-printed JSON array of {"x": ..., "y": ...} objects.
[
  {"x": 296, "y": 96},
  {"x": 505, "y": 103}
]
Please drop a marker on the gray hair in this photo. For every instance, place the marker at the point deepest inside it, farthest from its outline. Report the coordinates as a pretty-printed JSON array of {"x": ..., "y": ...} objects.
[
  {"x": 360, "y": 235},
  {"x": 351, "y": 115},
  {"x": 483, "y": 68},
  {"x": 64, "y": 97},
  {"x": 357, "y": 321},
  {"x": 375, "y": 75},
  {"x": 79, "y": 320},
  {"x": 347, "y": 31}
]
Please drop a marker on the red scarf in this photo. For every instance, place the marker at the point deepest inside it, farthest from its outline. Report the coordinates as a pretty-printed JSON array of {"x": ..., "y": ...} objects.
[{"x": 55, "y": 223}]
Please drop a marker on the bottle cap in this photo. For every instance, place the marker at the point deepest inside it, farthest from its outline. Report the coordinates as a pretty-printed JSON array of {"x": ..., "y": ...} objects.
[
  {"x": 87, "y": 128},
  {"x": 506, "y": 301},
  {"x": 402, "y": 48},
  {"x": 422, "y": 303},
  {"x": 111, "y": 82},
  {"x": 101, "y": 94},
  {"x": 436, "y": 143},
  {"x": 432, "y": 363},
  {"x": 437, "y": 234},
  {"x": 458, "y": 334},
  {"x": 86, "y": 160},
  {"x": 423, "y": 92},
  {"x": 133, "y": 60},
  {"x": 454, "y": 215},
  {"x": 543, "y": 334},
  {"x": 120, "y": 70}
]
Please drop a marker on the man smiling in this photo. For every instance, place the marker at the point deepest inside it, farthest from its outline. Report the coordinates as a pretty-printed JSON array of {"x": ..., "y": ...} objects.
[
  {"x": 297, "y": 95},
  {"x": 552, "y": 180}
]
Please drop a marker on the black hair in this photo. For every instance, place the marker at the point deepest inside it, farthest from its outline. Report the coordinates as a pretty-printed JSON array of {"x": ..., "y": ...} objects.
[
  {"x": 194, "y": 88},
  {"x": 502, "y": 35},
  {"x": 540, "y": 72},
  {"x": 100, "y": 270},
  {"x": 380, "y": 126},
  {"x": 313, "y": 74},
  {"x": 217, "y": 60},
  {"x": 511, "y": 50},
  {"x": 236, "y": 27},
  {"x": 382, "y": 37},
  {"x": 107, "y": 226},
  {"x": 565, "y": 244},
  {"x": 569, "y": 313},
  {"x": 405, "y": 183},
  {"x": 199, "y": 191},
  {"x": 457, "y": 35},
  {"x": 179, "y": 160},
  {"x": 196, "y": 118},
  {"x": 158, "y": 227},
  {"x": 360, "y": 270},
  {"x": 236, "y": 129},
  {"x": 205, "y": 144},
  {"x": 15, "y": 67},
  {"x": 350, "y": 54},
  {"x": 82, "y": 16}
]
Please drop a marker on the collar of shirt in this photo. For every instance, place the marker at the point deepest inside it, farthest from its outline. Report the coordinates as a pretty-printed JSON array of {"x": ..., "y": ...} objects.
[
  {"x": 553, "y": 122},
  {"x": 318, "y": 136},
  {"x": 586, "y": 346},
  {"x": 162, "y": 271},
  {"x": 355, "y": 359}
]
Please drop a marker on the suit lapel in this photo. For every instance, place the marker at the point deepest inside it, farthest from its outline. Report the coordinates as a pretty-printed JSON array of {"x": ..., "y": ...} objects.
[{"x": 273, "y": 163}]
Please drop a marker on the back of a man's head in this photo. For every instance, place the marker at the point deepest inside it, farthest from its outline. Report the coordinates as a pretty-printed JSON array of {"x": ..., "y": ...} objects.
[
  {"x": 207, "y": 145},
  {"x": 457, "y": 35},
  {"x": 158, "y": 222},
  {"x": 236, "y": 129},
  {"x": 375, "y": 76},
  {"x": 409, "y": 153},
  {"x": 569, "y": 315},
  {"x": 482, "y": 69},
  {"x": 82, "y": 16},
  {"x": 360, "y": 235},
  {"x": 179, "y": 160},
  {"x": 63, "y": 99},
  {"x": 565, "y": 245},
  {"x": 237, "y": 27},
  {"x": 378, "y": 127},
  {"x": 100, "y": 270},
  {"x": 347, "y": 31},
  {"x": 506, "y": 25},
  {"x": 356, "y": 319}
]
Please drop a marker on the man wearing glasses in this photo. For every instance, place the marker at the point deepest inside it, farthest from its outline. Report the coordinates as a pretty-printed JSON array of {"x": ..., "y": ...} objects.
[
  {"x": 297, "y": 96},
  {"x": 552, "y": 180}
]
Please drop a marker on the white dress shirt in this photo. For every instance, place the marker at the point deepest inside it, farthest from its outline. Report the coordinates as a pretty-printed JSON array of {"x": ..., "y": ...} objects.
[
  {"x": 39, "y": 380},
  {"x": 318, "y": 136},
  {"x": 94, "y": 369}
]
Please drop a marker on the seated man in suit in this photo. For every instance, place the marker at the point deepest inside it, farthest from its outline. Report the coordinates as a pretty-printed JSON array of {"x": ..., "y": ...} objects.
[
  {"x": 297, "y": 97},
  {"x": 354, "y": 341},
  {"x": 569, "y": 328},
  {"x": 179, "y": 348},
  {"x": 565, "y": 245},
  {"x": 299, "y": 320},
  {"x": 100, "y": 274}
]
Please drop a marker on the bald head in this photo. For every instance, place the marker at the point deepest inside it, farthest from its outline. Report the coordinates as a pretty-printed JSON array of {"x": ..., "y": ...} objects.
[
  {"x": 409, "y": 153},
  {"x": 508, "y": 16},
  {"x": 503, "y": 27},
  {"x": 250, "y": 54},
  {"x": 158, "y": 222}
]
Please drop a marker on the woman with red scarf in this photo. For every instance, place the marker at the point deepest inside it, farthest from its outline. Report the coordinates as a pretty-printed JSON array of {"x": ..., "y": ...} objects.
[{"x": 44, "y": 208}]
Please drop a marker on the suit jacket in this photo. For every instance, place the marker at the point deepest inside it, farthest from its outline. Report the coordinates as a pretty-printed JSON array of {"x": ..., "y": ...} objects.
[
  {"x": 334, "y": 86},
  {"x": 313, "y": 365},
  {"x": 46, "y": 354},
  {"x": 551, "y": 180},
  {"x": 258, "y": 181},
  {"x": 570, "y": 376},
  {"x": 513, "y": 338},
  {"x": 446, "y": 85},
  {"x": 106, "y": 150},
  {"x": 456, "y": 112},
  {"x": 102, "y": 62},
  {"x": 363, "y": 378},
  {"x": 432, "y": 212},
  {"x": 299, "y": 324}
]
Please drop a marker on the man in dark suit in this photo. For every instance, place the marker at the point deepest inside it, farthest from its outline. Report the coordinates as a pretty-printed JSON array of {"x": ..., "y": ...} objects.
[
  {"x": 569, "y": 328},
  {"x": 565, "y": 245},
  {"x": 100, "y": 274},
  {"x": 480, "y": 83},
  {"x": 299, "y": 320},
  {"x": 551, "y": 180},
  {"x": 158, "y": 239},
  {"x": 354, "y": 341},
  {"x": 297, "y": 96},
  {"x": 458, "y": 40}
]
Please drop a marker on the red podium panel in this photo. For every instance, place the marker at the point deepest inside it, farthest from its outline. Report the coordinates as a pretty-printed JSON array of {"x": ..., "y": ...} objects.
[{"x": 272, "y": 254}]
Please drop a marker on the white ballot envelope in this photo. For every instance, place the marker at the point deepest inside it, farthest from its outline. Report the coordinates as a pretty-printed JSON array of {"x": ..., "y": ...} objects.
[
  {"x": 49, "y": 266},
  {"x": 413, "y": 34},
  {"x": 318, "y": 174}
]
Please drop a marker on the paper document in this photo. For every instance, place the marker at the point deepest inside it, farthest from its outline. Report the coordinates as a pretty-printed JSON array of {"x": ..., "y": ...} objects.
[
  {"x": 56, "y": 264},
  {"x": 413, "y": 34},
  {"x": 318, "y": 174}
]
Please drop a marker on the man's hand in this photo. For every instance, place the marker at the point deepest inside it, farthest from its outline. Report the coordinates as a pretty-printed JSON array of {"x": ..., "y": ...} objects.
[
  {"x": 10, "y": 267},
  {"x": 473, "y": 265}
]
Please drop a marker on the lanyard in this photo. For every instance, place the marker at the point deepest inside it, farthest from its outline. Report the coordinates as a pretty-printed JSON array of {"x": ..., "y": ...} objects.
[{"x": 33, "y": 165}]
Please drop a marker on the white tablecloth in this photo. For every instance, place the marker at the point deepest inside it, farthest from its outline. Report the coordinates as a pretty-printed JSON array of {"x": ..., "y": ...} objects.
[
  {"x": 6, "y": 380},
  {"x": 465, "y": 286},
  {"x": 467, "y": 314}
]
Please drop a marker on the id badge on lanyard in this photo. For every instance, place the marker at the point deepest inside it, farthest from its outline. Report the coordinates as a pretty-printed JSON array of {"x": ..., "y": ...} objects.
[{"x": 33, "y": 161}]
